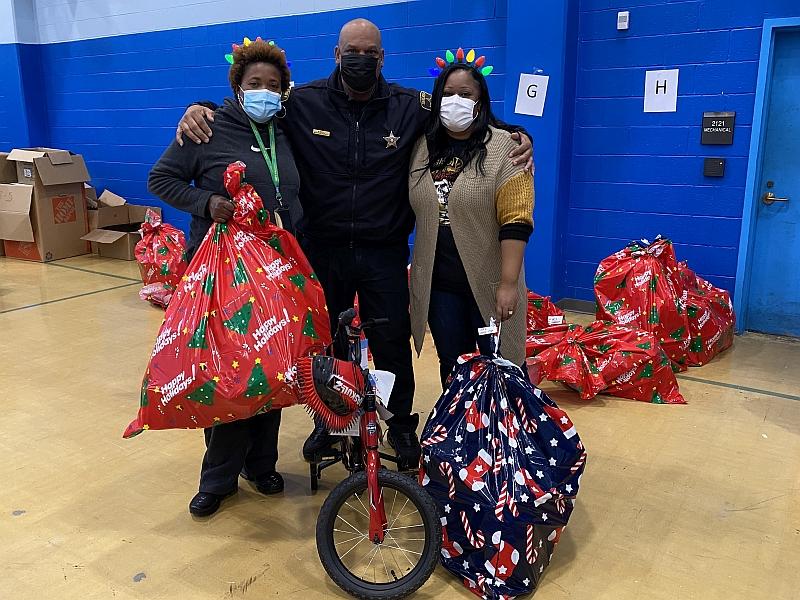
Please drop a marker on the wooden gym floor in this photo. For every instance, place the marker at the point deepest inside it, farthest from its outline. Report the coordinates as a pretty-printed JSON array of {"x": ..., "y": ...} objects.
[{"x": 698, "y": 501}]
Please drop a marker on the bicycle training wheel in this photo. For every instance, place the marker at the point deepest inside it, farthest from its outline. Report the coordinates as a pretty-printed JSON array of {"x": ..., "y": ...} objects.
[{"x": 410, "y": 550}]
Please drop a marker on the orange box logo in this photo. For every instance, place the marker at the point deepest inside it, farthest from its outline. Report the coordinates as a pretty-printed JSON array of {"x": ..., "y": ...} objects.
[
  {"x": 64, "y": 210},
  {"x": 23, "y": 250}
]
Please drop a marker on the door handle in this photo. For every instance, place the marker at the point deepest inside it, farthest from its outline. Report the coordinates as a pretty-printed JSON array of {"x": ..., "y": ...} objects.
[{"x": 769, "y": 198}]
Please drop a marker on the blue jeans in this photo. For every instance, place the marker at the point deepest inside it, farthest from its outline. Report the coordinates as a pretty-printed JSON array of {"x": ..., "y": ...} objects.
[{"x": 454, "y": 320}]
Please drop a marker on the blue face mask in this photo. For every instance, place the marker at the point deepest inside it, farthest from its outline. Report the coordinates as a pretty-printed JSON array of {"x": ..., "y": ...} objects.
[{"x": 260, "y": 105}]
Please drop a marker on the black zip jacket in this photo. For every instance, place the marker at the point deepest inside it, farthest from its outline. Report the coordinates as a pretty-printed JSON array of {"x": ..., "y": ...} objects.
[
  {"x": 353, "y": 159},
  {"x": 203, "y": 165}
]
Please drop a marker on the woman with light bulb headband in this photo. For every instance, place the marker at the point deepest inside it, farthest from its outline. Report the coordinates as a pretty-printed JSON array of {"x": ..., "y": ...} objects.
[
  {"x": 474, "y": 211},
  {"x": 190, "y": 178}
]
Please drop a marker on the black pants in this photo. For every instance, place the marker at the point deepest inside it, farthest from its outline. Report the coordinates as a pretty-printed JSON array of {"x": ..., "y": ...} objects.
[
  {"x": 250, "y": 443},
  {"x": 380, "y": 278},
  {"x": 454, "y": 320}
]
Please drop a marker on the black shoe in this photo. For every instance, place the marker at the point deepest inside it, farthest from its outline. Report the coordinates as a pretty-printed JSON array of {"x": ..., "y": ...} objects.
[
  {"x": 205, "y": 504},
  {"x": 405, "y": 442},
  {"x": 244, "y": 474},
  {"x": 318, "y": 443},
  {"x": 271, "y": 483}
]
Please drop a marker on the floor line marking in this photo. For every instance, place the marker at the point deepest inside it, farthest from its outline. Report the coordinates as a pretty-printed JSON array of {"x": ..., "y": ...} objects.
[
  {"x": 10, "y": 310},
  {"x": 741, "y": 388},
  {"x": 55, "y": 264}
]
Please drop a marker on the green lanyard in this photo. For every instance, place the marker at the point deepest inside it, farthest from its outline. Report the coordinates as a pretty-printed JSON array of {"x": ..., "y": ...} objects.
[{"x": 271, "y": 159}]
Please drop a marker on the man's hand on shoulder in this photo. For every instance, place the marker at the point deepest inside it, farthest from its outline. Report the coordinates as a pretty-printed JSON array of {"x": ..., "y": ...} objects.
[
  {"x": 522, "y": 155},
  {"x": 194, "y": 125}
]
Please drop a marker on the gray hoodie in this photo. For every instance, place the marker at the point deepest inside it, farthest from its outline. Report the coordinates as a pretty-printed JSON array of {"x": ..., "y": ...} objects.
[{"x": 186, "y": 177}]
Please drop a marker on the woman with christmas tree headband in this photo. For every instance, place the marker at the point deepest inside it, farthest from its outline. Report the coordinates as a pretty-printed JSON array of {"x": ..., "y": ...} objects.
[
  {"x": 190, "y": 178},
  {"x": 474, "y": 211}
]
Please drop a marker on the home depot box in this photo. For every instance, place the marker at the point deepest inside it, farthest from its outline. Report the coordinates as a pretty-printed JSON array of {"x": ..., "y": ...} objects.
[
  {"x": 115, "y": 226},
  {"x": 45, "y": 220}
]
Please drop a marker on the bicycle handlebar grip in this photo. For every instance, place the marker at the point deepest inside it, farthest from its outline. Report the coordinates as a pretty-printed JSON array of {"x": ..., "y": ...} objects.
[{"x": 347, "y": 317}]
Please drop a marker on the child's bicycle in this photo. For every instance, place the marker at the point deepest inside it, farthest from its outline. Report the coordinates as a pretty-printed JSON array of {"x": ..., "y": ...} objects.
[{"x": 378, "y": 533}]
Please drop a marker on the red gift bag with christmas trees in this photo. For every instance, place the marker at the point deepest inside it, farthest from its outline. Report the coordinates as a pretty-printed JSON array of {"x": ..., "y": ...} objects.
[
  {"x": 610, "y": 359},
  {"x": 542, "y": 313},
  {"x": 245, "y": 311},
  {"x": 636, "y": 287},
  {"x": 539, "y": 340},
  {"x": 711, "y": 317},
  {"x": 161, "y": 254}
]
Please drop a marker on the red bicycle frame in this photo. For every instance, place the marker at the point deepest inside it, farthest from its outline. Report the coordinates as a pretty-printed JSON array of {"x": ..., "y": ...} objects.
[{"x": 372, "y": 461}]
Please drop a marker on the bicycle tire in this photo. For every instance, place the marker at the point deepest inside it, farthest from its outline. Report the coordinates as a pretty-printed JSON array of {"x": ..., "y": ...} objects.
[{"x": 342, "y": 576}]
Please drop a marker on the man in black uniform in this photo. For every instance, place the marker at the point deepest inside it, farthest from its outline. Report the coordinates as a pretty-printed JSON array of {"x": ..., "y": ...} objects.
[{"x": 352, "y": 135}]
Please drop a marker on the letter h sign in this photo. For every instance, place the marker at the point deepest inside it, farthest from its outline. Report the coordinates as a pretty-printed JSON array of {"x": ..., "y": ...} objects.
[{"x": 661, "y": 91}]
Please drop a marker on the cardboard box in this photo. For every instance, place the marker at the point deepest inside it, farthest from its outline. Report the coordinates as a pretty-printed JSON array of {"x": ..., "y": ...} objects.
[
  {"x": 25, "y": 157},
  {"x": 90, "y": 195},
  {"x": 115, "y": 226},
  {"x": 45, "y": 220},
  {"x": 8, "y": 174}
]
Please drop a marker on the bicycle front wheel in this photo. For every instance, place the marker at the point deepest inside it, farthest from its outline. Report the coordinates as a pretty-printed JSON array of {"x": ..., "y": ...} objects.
[{"x": 409, "y": 552}]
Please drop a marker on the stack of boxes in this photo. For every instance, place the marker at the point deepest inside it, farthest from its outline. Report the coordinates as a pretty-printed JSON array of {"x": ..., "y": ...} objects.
[
  {"x": 44, "y": 214},
  {"x": 42, "y": 205}
]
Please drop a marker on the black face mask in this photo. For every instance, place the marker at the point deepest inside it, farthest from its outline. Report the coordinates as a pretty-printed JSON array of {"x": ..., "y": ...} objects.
[{"x": 359, "y": 71}]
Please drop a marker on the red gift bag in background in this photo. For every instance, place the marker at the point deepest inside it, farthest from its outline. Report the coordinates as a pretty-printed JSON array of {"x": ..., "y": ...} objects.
[
  {"x": 637, "y": 287},
  {"x": 245, "y": 311},
  {"x": 161, "y": 254},
  {"x": 711, "y": 317},
  {"x": 610, "y": 359},
  {"x": 546, "y": 324},
  {"x": 542, "y": 313},
  {"x": 539, "y": 340}
]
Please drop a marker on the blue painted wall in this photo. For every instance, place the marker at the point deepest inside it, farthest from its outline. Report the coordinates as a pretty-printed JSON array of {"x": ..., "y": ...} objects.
[
  {"x": 117, "y": 100},
  {"x": 606, "y": 171},
  {"x": 541, "y": 36},
  {"x": 637, "y": 175},
  {"x": 13, "y": 119}
]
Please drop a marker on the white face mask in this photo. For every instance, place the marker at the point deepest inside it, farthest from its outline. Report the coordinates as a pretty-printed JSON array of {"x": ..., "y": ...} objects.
[{"x": 457, "y": 113}]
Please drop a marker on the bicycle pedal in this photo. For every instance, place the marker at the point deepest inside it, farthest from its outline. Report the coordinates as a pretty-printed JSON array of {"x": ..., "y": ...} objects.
[{"x": 333, "y": 454}]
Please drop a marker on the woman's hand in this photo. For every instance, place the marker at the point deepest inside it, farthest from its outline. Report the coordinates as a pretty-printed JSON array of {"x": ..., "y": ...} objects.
[
  {"x": 194, "y": 123},
  {"x": 506, "y": 299},
  {"x": 220, "y": 208}
]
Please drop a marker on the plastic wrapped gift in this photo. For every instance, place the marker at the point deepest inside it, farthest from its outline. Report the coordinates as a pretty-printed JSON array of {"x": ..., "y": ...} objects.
[
  {"x": 636, "y": 287},
  {"x": 604, "y": 358},
  {"x": 245, "y": 311},
  {"x": 504, "y": 464}
]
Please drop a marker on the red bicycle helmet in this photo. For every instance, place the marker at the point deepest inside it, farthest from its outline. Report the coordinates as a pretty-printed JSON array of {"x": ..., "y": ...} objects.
[{"x": 332, "y": 389}]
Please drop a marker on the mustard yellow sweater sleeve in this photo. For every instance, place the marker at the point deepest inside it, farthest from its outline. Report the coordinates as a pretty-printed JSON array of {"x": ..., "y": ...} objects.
[{"x": 514, "y": 195}]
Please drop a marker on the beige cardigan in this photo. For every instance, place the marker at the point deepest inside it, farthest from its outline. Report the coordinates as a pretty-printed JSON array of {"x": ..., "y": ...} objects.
[{"x": 478, "y": 205}]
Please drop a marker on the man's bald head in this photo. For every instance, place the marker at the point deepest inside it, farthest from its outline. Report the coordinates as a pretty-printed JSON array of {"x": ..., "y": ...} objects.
[
  {"x": 360, "y": 32},
  {"x": 360, "y": 44}
]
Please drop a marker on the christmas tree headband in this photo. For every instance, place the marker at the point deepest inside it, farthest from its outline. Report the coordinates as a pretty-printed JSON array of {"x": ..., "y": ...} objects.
[
  {"x": 246, "y": 42},
  {"x": 459, "y": 57}
]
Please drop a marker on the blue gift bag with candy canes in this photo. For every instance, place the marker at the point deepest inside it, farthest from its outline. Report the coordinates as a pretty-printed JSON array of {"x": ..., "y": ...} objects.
[{"x": 504, "y": 464}]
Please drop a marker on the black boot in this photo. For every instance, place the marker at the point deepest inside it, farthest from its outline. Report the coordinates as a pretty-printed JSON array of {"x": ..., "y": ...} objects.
[
  {"x": 205, "y": 504},
  {"x": 318, "y": 443},
  {"x": 403, "y": 438},
  {"x": 269, "y": 484}
]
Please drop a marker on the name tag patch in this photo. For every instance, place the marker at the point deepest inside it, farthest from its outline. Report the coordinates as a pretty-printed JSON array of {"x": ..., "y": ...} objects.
[{"x": 321, "y": 132}]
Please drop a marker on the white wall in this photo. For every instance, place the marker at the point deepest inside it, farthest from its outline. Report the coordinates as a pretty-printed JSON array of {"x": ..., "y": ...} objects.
[
  {"x": 8, "y": 33},
  {"x": 25, "y": 20},
  {"x": 68, "y": 20},
  {"x": 18, "y": 22}
]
